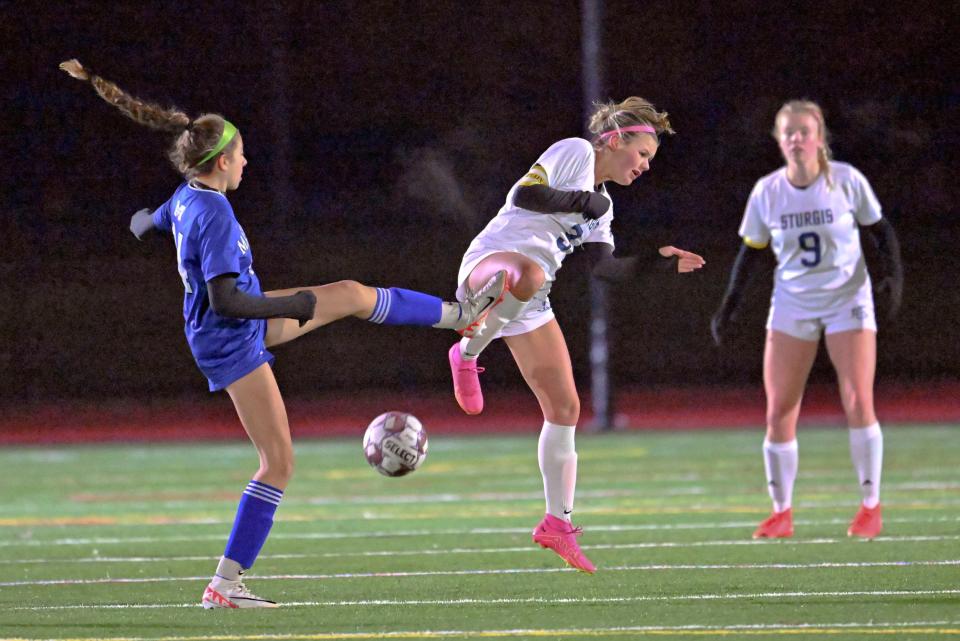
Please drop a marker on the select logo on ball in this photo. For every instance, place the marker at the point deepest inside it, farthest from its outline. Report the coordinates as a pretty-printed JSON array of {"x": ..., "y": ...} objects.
[{"x": 395, "y": 443}]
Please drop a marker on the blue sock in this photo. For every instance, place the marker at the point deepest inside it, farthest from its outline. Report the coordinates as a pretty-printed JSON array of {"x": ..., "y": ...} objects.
[
  {"x": 253, "y": 522},
  {"x": 396, "y": 306}
]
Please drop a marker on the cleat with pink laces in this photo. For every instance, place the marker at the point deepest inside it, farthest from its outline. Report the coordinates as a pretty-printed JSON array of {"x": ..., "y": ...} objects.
[
  {"x": 479, "y": 304},
  {"x": 221, "y": 593},
  {"x": 466, "y": 381},
  {"x": 778, "y": 525},
  {"x": 867, "y": 523},
  {"x": 560, "y": 536}
]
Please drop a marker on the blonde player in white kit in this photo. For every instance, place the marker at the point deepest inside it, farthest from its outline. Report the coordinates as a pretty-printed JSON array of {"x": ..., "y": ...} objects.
[
  {"x": 560, "y": 205},
  {"x": 812, "y": 211}
]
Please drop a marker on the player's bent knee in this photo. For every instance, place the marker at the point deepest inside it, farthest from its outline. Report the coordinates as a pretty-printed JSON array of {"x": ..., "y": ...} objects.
[
  {"x": 529, "y": 281},
  {"x": 564, "y": 414}
]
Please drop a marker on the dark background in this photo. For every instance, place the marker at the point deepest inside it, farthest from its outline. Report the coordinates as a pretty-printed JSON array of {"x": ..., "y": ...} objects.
[{"x": 383, "y": 135}]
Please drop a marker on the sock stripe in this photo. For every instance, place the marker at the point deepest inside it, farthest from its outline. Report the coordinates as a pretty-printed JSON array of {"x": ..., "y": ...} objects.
[
  {"x": 266, "y": 488},
  {"x": 382, "y": 306},
  {"x": 263, "y": 492}
]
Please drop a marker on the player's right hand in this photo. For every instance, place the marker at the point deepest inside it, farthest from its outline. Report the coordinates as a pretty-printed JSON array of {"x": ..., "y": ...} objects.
[{"x": 306, "y": 303}]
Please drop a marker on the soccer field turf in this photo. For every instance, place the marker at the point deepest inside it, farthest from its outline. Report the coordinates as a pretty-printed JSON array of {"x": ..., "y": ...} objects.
[{"x": 118, "y": 541}]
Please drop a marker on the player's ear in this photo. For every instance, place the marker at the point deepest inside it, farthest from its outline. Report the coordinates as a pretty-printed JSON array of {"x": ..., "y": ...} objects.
[{"x": 222, "y": 161}]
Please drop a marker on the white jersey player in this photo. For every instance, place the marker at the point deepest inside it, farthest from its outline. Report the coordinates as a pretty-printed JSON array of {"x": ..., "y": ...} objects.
[
  {"x": 558, "y": 206},
  {"x": 810, "y": 212}
]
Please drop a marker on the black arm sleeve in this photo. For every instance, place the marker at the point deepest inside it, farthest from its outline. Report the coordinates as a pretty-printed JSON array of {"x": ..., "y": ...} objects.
[
  {"x": 548, "y": 200},
  {"x": 605, "y": 266},
  {"x": 888, "y": 247},
  {"x": 141, "y": 223},
  {"x": 743, "y": 271},
  {"x": 227, "y": 300}
]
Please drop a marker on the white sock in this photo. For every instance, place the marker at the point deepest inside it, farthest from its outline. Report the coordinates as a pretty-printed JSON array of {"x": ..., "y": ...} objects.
[
  {"x": 450, "y": 315},
  {"x": 228, "y": 569},
  {"x": 501, "y": 314},
  {"x": 558, "y": 465},
  {"x": 866, "y": 452},
  {"x": 780, "y": 461}
]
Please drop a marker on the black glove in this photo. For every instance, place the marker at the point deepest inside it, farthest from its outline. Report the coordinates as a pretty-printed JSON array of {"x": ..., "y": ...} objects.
[
  {"x": 141, "y": 223},
  {"x": 594, "y": 205},
  {"x": 306, "y": 305}
]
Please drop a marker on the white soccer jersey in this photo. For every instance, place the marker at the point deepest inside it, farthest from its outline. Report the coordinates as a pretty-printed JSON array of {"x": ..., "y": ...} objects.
[
  {"x": 545, "y": 238},
  {"x": 814, "y": 231}
]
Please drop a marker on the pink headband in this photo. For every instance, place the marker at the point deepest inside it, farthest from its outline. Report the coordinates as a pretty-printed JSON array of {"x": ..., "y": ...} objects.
[{"x": 647, "y": 129}]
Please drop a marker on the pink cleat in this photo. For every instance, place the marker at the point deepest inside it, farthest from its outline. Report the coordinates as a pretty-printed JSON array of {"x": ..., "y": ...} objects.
[
  {"x": 867, "y": 523},
  {"x": 561, "y": 537},
  {"x": 778, "y": 525},
  {"x": 466, "y": 381}
]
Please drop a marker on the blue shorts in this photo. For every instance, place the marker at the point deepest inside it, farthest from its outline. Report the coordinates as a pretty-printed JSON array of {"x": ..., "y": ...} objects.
[{"x": 237, "y": 362}]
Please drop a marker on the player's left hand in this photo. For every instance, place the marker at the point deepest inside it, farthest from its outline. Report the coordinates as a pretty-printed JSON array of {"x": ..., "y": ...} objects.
[
  {"x": 890, "y": 289},
  {"x": 686, "y": 261}
]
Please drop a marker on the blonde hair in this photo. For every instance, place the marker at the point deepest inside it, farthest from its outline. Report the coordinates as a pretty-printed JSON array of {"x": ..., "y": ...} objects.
[
  {"x": 195, "y": 138},
  {"x": 824, "y": 153},
  {"x": 612, "y": 116}
]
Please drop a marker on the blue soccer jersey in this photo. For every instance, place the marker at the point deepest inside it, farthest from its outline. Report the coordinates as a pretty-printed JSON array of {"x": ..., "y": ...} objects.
[{"x": 209, "y": 243}]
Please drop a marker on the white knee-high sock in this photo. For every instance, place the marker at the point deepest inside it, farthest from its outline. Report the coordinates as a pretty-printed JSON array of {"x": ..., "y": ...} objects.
[
  {"x": 501, "y": 314},
  {"x": 780, "y": 460},
  {"x": 558, "y": 465},
  {"x": 866, "y": 452}
]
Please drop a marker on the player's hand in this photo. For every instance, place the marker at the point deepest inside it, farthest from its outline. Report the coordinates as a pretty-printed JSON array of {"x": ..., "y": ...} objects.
[
  {"x": 596, "y": 206},
  {"x": 890, "y": 288},
  {"x": 141, "y": 222},
  {"x": 306, "y": 303},
  {"x": 718, "y": 326},
  {"x": 686, "y": 261}
]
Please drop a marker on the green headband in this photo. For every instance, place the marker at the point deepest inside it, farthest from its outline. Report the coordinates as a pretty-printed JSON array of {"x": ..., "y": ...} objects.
[{"x": 229, "y": 131}]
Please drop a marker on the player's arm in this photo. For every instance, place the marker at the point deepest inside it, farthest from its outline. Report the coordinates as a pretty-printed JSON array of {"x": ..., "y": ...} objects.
[
  {"x": 605, "y": 266},
  {"x": 141, "y": 223},
  {"x": 890, "y": 276},
  {"x": 547, "y": 200},
  {"x": 227, "y": 300},
  {"x": 744, "y": 269}
]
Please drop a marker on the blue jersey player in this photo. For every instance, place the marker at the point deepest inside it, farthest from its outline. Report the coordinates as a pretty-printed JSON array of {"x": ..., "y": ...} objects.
[{"x": 230, "y": 322}]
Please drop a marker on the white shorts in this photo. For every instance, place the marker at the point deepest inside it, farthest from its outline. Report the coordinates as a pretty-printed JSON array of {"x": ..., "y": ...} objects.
[
  {"x": 535, "y": 313},
  {"x": 851, "y": 312}
]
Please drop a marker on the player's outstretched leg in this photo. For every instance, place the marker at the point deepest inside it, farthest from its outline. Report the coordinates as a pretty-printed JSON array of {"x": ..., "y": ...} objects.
[{"x": 560, "y": 536}]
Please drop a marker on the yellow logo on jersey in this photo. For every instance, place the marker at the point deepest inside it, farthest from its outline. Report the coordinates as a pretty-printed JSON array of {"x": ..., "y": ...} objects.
[{"x": 536, "y": 176}]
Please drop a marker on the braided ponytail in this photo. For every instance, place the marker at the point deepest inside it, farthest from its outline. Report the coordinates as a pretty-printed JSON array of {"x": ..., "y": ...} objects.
[{"x": 195, "y": 138}]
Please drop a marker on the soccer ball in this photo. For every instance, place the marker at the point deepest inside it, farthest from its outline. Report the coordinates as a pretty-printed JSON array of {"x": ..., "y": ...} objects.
[{"x": 395, "y": 443}]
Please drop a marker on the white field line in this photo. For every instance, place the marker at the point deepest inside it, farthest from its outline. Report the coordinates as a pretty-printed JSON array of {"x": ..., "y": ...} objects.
[
  {"x": 429, "y": 573},
  {"x": 730, "y": 596},
  {"x": 482, "y": 550},
  {"x": 750, "y": 629},
  {"x": 153, "y": 520},
  {"x": 533, "y": 495},
  {"x": 460, "y": 532}
]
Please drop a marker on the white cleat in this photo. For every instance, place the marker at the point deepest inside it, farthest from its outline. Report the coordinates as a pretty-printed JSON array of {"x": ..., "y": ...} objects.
[
  {"x": 478, "y": 305},
  {"x": 221, "y": 593}
]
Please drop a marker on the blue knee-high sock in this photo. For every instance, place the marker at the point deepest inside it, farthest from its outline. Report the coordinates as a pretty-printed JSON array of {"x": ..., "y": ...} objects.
[
  {"x": 396, "y": 306},
  {"x": 252, "y": 524}
]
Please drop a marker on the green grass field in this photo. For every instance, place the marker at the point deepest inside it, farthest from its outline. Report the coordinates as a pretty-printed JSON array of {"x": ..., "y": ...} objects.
[{"x": 115, "y": 541}]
